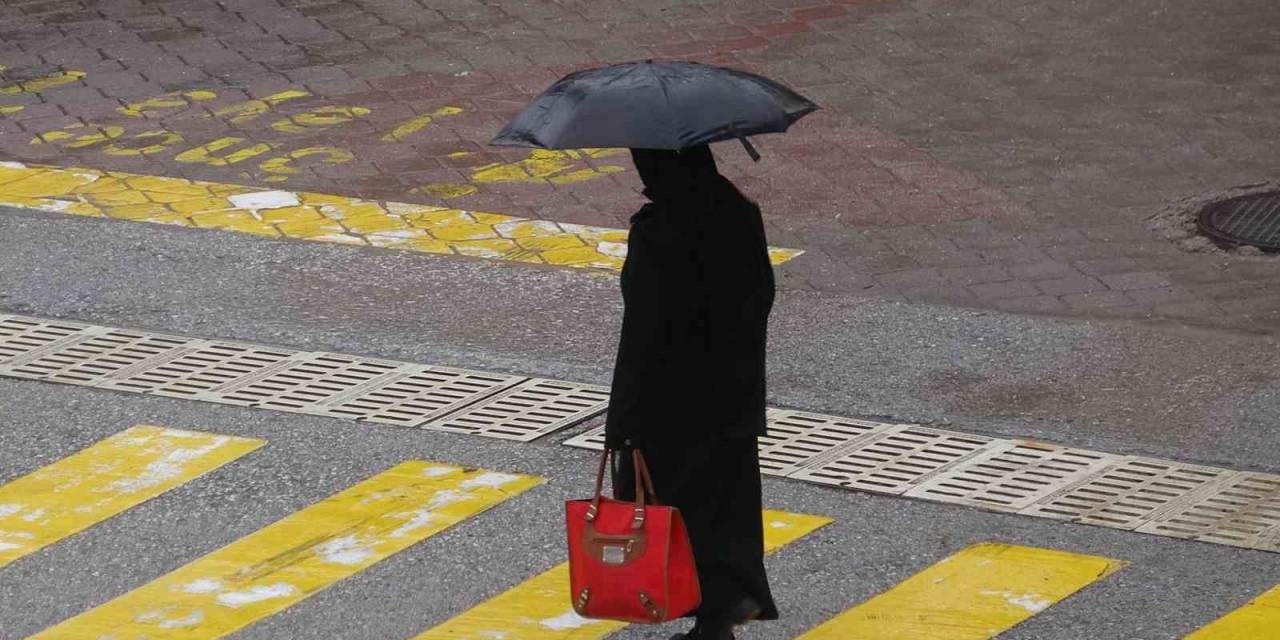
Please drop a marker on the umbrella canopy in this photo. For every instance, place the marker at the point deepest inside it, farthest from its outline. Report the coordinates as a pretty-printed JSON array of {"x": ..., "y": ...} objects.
[{"x": 654, "y": 105}]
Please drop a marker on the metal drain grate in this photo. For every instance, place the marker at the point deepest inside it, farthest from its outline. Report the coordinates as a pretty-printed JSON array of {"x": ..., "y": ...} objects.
[
  {"x": 896, "y": 460},
  {"x": 1011, "y": 476},
  {"x": 527, "y": 411},
  {"x": 415, "y": 395},
  {"x": 1242, "y": 510},
  {"x": 592, "y": 439},
  {"x": 90, "y": 355},
  {"x": 30, "y": 337},
  {"x": 305, "y": 381},
  {"x": 201, "y": 369},
  {"x": 1246, "y": 220},
  {"x": 795, "y": 439},
  {"x": 1128, "y": 493}
]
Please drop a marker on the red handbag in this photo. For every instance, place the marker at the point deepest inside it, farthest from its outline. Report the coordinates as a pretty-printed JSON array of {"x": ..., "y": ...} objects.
[{"x": 630, "y": 561}]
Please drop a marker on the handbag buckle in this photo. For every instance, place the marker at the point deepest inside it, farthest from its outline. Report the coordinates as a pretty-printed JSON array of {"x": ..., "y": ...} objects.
[{"x": 610, "y": 554}]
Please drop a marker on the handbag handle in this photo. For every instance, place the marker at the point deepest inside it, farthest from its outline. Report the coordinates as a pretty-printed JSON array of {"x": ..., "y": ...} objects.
[{"x": 643, "y": 484}]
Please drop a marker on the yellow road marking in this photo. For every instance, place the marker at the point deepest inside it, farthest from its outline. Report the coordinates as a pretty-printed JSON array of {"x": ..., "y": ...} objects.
[
  {"x": 412, "y": 125},
  {"x": 8, "y": 109},
  {"x": 549, "y": 165},
  {"x": 154, "y": 105},
  {"x": 40, "y": 84},
  {"x": 975, "y": 594},
  {"x": 286, "y": 562},
  {"x": 539, "y": 609},
  {"x": 319, "y": 118},
  {"x": 313, "y": 216},
  {"x": 113, "y": 475},
  {"x": 282, "y": 166},
  {"x": 250, "y": 109},
  {"x": 1258, "y": 620},
  {"x": 208, "y": 153}
]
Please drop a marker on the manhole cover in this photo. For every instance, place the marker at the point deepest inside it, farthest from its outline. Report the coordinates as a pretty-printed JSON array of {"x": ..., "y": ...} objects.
[{"x": 1247, "y": 220}]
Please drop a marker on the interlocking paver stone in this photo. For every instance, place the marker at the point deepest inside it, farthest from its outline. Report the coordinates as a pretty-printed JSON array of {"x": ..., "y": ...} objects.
[{"x": 975, "y": 135}]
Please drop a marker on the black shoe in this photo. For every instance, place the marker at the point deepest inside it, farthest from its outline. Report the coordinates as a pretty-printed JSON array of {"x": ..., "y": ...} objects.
[{"x": 746, "y": 610}]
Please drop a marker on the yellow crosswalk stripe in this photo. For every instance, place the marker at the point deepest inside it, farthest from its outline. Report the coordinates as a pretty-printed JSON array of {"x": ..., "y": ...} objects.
[
  {"x": 113, "y": 475},
  {"x": 539, "y": 609},
  {"x": 1258, "y": 620},
  {"x": 288, "y": 561},
  {"x": 975, "y": 594}
]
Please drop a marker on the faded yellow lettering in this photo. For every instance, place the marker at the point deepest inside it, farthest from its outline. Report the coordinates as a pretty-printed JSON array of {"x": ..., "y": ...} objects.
[
  {"x": 176, "y": 100},
  {"x": 162, "y": 140},
  {"x": 69, "y": 139},
  {"x": 446, "y": 190},
  {"x": 204, "y": 154},
  {"x": 11, "y": 109},
  {"x": 40, "y": 84},
  {"x": 545, "y": 164},
  {"x": 245, "y": 111},
  {"x": 319, "y": 119},
  {"x": 282, "y": 166},
  {"x": 412, "y": 125}
]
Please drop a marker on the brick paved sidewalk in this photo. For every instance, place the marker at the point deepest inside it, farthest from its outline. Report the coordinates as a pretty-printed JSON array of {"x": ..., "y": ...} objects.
[{"x": 993, "y": 154}]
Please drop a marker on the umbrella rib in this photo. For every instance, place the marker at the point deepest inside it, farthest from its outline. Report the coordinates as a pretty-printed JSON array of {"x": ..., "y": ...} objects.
[{"x": 671, "y": 117}]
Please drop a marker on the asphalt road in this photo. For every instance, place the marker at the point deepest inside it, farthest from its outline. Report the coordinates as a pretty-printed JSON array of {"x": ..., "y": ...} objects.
[{"x": 1191, "y": 395}]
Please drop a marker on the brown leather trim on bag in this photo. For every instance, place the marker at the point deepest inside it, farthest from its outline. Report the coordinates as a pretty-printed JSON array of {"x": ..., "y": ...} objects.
[
  {"x": 619, "y": 549},
  {"x": 615, "y": 550},
  {"x": 655, "y": 612}
]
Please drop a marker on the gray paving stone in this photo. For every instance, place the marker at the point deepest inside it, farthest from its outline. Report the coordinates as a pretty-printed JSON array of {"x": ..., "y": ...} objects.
[
  {"x": 1068, "y": 285},
  {"x": 998, "y": 290},
  {"x": 1135, "y": 280},
  {"x": 1032, "y": 304}
]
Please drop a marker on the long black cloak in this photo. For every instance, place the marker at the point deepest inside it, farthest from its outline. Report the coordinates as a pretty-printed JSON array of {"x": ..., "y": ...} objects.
[{"x": 698, "y": 288}]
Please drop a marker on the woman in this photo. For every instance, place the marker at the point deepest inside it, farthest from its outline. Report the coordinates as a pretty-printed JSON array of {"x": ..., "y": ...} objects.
[{"x": 689, "y": 383}]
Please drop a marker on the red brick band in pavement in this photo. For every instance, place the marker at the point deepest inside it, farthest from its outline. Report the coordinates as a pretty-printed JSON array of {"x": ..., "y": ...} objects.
[{"x": 877, "y": 215}]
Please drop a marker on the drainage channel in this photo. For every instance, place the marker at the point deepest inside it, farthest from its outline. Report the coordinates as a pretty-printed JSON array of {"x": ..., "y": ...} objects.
[
  {"x": 1133, "y": 493},
  {"x": 313, "y": 383}
]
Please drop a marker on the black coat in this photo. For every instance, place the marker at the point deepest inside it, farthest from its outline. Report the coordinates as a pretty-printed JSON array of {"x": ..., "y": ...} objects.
[{"x": 698, "y": 287}]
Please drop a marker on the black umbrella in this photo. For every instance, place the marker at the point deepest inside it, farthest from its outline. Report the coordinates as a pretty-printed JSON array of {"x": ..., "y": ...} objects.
[{"x": 654, "y": 105}]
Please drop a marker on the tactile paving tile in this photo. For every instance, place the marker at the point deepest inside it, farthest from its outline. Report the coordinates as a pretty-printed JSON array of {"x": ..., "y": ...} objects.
[
  {"x": 896, "y": 459},
  {"x": 415, "y": 395},
  {"x": 1241, "y": 509},
  {"x": 795, "y": 439},
  {"x": 1011, "y": 475},
  {"x": 93, "y": 356},
  {"x": 527, "y": 411},
  {"x": 1127, "y": 493},
  {"x": 23, "y": 337}
]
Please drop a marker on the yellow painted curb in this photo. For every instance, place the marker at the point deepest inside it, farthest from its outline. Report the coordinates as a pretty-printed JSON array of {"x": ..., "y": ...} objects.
[{"x": 315, "y": 216}]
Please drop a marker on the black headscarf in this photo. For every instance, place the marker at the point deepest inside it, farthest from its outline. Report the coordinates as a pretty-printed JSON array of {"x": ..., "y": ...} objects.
[{"x": 676, "y": 175}]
